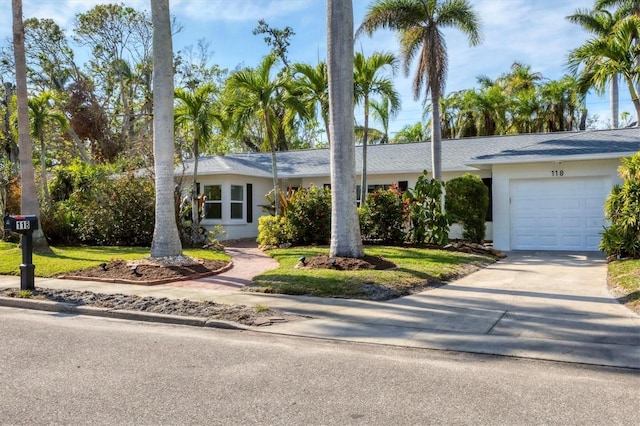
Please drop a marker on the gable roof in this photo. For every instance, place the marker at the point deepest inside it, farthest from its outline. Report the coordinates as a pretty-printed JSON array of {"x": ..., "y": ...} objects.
[{"x": 457, "y": 154}]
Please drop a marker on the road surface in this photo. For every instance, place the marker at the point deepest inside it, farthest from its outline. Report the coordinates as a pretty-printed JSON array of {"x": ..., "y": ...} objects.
[{"x": 61, "y": 369}]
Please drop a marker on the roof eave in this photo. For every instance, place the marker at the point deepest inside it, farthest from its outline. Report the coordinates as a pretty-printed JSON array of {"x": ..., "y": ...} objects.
[{"x": 555, "y": 158}]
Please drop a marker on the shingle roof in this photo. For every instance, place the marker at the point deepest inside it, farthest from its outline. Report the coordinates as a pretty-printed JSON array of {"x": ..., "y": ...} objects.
[{"x": 457, "y": 154}]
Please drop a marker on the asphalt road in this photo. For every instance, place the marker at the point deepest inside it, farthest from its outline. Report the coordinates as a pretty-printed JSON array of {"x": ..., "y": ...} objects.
[{"x": 59, "y": 369}]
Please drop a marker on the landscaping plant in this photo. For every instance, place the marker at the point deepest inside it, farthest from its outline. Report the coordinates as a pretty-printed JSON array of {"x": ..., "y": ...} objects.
[
  {"x": 467, "y": 201},
  {"x": 383, "y": 216},
  {"x": 622, "y": 209},
  {"x": 429, "y": 223}
]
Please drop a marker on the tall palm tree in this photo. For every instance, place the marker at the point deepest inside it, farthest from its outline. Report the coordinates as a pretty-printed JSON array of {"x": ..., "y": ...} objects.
[
  {"x": 601, "y": 23},
  {"x": 315, "y": 88},
  {"x": 42, "y": 114},
  {"x": 625, "y": 8},
  {"x": 345, "y": 231},
  {"x": 258, "y": 94},
  {"x": 28, "y": 199},
  {"x": 600, "y": 58},
  {"x": 420, "y": 24},
  {"x": 196, "y": 114},
  {"x": 166, "y": 239},
  {"x": 369, "y": 81}
]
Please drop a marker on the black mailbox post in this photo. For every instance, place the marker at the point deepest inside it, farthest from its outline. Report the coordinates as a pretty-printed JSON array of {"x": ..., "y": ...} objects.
[{"x": 24, "y": 225}]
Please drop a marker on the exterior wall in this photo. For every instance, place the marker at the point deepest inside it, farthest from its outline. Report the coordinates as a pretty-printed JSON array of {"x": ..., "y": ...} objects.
[
  {"x": 237, "y": 228},
  {"x": 505, "y": 173}
]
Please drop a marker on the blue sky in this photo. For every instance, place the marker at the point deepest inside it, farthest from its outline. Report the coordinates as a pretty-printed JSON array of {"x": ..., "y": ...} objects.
[{"x": 535, "y": 33}]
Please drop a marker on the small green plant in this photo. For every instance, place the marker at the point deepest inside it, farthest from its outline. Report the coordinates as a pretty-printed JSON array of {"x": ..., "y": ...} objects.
[
  {"x": 24, "y": 294},
  {"x": 261, "y": 308},
  {"x": 467, "y": 201}
]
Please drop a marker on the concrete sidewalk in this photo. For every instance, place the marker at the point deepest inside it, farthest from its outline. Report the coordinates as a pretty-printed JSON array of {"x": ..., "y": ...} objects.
[{"x": 551, "y": 306}]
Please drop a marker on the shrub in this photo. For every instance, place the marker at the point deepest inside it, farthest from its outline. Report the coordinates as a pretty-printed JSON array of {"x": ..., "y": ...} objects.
[
  {"x": 94, "y": 206},
  {"x": 622, "y": 209},
  {"x": 309, "y": 215},
  {"x": 274, "y": 231},
  {"x": 429, "y": 224},
  {"x": 467, "y": 201},
  {"x": 383, "y": 216}
]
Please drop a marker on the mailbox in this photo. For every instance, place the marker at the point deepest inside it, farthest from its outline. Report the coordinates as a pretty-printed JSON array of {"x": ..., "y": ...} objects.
[{"x": 21, "y": 223}]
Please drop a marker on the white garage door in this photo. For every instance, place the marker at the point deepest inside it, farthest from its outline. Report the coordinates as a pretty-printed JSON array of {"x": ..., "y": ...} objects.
[{"x": 558, "y": 214}]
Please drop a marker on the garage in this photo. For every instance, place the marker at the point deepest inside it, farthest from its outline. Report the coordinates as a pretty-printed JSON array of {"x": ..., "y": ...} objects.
[{"x": 559, "y": 213}]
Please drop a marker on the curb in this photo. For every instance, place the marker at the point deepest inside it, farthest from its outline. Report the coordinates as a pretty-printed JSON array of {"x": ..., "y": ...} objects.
[{"x": 69, "y": 308}]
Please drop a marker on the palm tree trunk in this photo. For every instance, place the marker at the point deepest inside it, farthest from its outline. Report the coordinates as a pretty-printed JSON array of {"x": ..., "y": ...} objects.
[
  {"x": 436, "y": 134},
  {"x": 195, "y": 211},
  {"x": 634, "y": 98},
  {"x": 613, "y": 99},
  {"x": 345, "y": 229},
  {"x": 274, "y": 164},
  {"x": 166, "y": 239},
  {"x": 325, "y": 117},
  {"x": 365, "y": 137},
  {"x": 28, "y": 198},
  {"x": 43, "y": 172}
]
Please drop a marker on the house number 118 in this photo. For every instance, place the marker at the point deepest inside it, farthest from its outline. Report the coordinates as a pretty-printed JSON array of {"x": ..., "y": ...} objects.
[{"x": 557, "y": 173}]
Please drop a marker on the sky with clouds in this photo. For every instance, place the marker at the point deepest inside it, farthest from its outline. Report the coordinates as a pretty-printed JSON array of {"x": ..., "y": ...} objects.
[{"x": 535, "y": 33}]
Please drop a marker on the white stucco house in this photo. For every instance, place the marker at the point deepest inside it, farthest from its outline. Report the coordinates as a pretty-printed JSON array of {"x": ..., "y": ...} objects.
[{"x": 547, "y": 190}]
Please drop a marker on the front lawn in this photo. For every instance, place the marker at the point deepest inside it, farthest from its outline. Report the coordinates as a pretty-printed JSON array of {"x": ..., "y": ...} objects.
[
  {"x": 624, "y": 282},
  {"x": 417, "y": 268},
  {"x": 63, "y": 260}
]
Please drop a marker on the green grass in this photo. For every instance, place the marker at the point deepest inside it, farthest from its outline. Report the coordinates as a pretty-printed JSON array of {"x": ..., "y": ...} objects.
[
  {"x": 624, "y": 280},
  {"x": 62, "y": 260},
  {"x": 416, "y": 268}
]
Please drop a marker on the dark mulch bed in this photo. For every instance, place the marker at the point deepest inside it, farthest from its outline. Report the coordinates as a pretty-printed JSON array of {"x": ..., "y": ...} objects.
[
  {"x": 347, "y": 264},
  {"x": 123, "y": 270}
]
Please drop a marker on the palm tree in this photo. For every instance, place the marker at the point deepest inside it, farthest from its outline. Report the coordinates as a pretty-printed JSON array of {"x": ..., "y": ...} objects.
[
  {"x": 368, "y": 82},
  {"x": 42, "y": 114},
  {"x": 601, "y": 23},
  {"x": 420, "y": 24},
  {"x": 166, "y": 239},
  {"x": 382, "y": 112},
  {"x": 314, "y": 85},
  {"x": 562, "y": 103},
  {"x": 410, "y": 133},
  {"x": 195, "y": 114},
  {"x": 345, "y": 230},
  {"x": 600, "y": 58},
  {"x": 626, "y": 8},
  {"x": 28, "y": 199},
  {"x": 258, "y": 94}
]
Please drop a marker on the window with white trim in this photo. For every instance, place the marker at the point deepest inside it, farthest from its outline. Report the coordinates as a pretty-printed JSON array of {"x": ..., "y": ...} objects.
[
  {"x": 237, "y": 202},
  {"x": 213, "y": 202}
]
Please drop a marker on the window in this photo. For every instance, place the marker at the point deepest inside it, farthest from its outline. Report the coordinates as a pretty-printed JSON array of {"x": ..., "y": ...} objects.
[
  {"x": 213, "y": 202},
  {"x": 237, "y": 201},
  {"x": 370, "y": 190}
]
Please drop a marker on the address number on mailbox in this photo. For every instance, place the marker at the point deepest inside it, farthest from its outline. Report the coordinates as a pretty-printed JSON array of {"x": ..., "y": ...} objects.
[{"x": 23, "y": 225}]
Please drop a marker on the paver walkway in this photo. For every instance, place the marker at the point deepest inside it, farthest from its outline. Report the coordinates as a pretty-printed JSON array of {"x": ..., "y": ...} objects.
[{"x": 248, "y": 261}]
